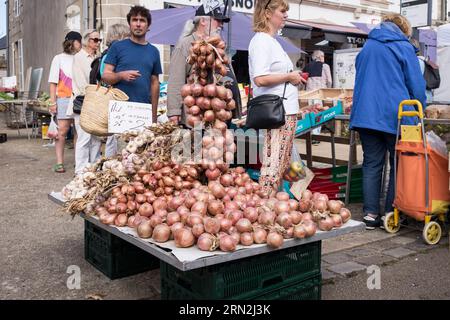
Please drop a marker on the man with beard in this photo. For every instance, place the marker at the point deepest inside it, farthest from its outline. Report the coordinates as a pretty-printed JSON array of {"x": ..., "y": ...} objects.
[
  {"x": 203, "y": 25},
  {"x": 133, "y": 65}
]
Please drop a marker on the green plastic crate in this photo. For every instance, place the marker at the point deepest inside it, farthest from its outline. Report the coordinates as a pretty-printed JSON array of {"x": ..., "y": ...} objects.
[
  {"x": 340, "y": 174},
  {"x": 114, "y": 257},
  {"x": 308, "y": 289},
  {"x": 245, "y": 278}
]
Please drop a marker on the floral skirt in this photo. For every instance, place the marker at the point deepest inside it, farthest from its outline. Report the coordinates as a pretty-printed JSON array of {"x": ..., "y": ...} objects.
[{"x": 277, "y": 155}]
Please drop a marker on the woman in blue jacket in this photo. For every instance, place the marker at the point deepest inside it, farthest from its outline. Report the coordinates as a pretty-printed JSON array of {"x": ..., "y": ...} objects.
[{"x": 387, "y": 72}]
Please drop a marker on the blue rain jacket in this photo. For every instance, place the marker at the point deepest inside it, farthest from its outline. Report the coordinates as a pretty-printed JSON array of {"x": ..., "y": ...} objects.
[{"x": 387, "y": 72}]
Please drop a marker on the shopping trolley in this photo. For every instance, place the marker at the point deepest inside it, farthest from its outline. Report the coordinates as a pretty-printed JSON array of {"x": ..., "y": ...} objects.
[{"x": 421, "y": 178}]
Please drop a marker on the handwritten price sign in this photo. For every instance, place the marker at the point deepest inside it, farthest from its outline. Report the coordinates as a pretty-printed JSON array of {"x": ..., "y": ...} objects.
[
  {"x": 125, "y": 115},
  {"x": 210, "y": 5}
]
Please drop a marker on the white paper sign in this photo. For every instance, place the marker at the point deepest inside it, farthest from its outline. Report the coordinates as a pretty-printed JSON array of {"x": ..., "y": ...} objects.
[
  {"x": 125, "y": 115},
  {"x": 210, "y": 5}
]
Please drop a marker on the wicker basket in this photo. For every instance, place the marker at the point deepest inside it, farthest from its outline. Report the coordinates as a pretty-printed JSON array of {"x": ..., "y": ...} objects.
[{"x": 94, "y": 113}]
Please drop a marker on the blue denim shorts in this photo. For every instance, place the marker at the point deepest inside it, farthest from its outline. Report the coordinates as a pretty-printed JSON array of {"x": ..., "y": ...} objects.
[{"x": 62, "y": 105}]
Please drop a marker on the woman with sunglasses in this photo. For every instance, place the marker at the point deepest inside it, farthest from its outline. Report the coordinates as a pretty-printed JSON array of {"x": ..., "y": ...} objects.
[
  {"x": 87, "y": 148},
  {"x": 269, "y": 72}
]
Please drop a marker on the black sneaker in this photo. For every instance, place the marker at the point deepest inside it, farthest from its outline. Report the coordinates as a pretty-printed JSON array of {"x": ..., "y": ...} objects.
[{"x": 371, "y": 223}]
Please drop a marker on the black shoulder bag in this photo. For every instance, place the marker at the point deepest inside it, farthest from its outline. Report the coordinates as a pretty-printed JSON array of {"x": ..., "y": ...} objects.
[
  {"x": 266, "y": 111},
  {"x": 78, "y": 104}
]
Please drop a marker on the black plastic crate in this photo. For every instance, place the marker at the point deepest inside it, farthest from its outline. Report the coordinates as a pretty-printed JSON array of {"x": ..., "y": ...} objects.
[
  {"x": 308, "y": 289},
  {"x": 245, "y": 278},
  {"x": 113, "y": 256}
]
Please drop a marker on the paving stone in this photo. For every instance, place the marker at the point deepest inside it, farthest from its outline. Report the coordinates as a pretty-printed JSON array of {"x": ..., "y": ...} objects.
[
  {"x": 336, "y": 258},
  {"x": 347, "y": 268},
  {"x": 377, "y": 260},
  {"x": 328, "y": 276},
  {"x": 325, "y": 264},
  {"x": 362, "y": 252},
  {"x": 399, "y": 252},
  {"x": 402, "y": 240},
  {"x": 419, "y": 246}
]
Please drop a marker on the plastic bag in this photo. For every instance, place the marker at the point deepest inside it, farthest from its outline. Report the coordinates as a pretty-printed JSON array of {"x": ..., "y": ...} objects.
[
  {"x": 52, "y": 132},
  {"x": 437, "y": 143}
]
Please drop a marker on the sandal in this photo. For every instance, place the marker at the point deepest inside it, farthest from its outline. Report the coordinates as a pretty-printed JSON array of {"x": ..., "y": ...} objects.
[{"x": 59, "y": 168}]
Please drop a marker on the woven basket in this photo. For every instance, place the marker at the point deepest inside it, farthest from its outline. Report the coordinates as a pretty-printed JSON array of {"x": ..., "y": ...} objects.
[{"x": 94, "y": 113}]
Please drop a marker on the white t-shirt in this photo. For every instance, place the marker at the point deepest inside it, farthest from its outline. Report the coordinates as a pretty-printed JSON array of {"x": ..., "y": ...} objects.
[
  {"x": 61, "y": 74},
  {"x": 266, "y": 56}
]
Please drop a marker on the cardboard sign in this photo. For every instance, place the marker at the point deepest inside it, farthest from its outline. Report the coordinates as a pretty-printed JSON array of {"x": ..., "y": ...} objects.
[
  {"x": 124, "y": 116},
  {"x": 210, "y": 5}
]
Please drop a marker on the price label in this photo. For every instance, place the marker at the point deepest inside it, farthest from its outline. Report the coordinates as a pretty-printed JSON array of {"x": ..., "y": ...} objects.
[{"x": 124, "y": 116}]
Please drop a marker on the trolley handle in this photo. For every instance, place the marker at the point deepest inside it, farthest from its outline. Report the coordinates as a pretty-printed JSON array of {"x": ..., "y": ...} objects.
[{"x": 402, "y": 113}]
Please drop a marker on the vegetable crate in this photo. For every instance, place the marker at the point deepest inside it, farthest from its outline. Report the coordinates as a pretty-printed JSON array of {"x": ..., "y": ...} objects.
[
  {"x": 324, "y": 116},
  {"x": 113, "y": 256},
  {"x": 302, "y": 125},
  {"x": 276, "y": 274}
]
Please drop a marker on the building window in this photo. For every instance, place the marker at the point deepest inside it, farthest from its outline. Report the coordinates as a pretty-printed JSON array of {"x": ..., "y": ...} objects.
[
  {"x": 17, "y": 7},
  {"x": 17, "y": 64}
]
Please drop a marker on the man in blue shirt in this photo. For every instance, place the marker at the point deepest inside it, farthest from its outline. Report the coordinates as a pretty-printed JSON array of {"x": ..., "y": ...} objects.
[{"x": 133, "y": 65}]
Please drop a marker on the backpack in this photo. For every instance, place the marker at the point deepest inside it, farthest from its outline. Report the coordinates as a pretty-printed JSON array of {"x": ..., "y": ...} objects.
[
  {"x": 94, "y": 75},
  {"x": 431, "y": 75}
]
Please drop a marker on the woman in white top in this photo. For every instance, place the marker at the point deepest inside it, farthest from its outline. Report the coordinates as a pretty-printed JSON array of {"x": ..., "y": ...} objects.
[
  {"x": 60, "y": 79},
  {"x": 87, "y": 149},
  {"x": 270, "y": 69}
]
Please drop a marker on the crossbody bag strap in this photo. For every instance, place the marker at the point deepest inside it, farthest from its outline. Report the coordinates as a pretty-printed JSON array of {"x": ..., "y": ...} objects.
[{"x": 284, "y": 91}]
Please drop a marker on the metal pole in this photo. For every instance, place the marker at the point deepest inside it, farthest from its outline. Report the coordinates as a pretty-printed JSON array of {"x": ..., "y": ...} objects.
[{"x": 8, "y": 55}]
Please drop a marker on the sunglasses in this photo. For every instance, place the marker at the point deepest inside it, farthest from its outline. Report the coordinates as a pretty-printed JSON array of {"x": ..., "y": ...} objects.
[
  {"x": 96, "y": 40},
  {"x": 265, "y": 8}
]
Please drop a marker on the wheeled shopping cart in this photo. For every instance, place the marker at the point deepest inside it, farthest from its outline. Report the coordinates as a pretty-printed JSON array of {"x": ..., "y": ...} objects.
[{"x": 421, "y": 178}]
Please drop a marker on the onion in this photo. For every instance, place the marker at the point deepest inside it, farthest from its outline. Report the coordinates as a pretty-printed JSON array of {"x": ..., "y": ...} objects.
[
  {"x": 320, "y": 196},
  {"x": 198, "y": 229},
  {"x": 219, "y": 106},
  {"x": 289, "y": 233},
  {"x": 259, "y": 235},
  {"x": 212, "y": 225},
  {"x": 122, "y": 198},
  {"x": 145, "y": 229},
  {"x": 197, "y": 89},
  {"x": 345, "y": 214},
  {"x": 175, "y": 203},
  {"x": 307, "y": 195},
  {"x": 160, "y": 204},
  {"x": 208, "y": 116},
  {"x": 201, "y": 207},
  {"x": 296, "y": 217},
  {"x": 234, "y": 216},
  {"x": 227, "y": 243},
  {"x": 155, "y": 220},
  {"x": 304, "y": 205},
  {"x": 139, "y": 187},
  {"x": 130, "y": 221},
  {"x": 244, "y": 225},
  {"x": 320, "y": 205},
  {"x": 218, "y": 190},
  {"x": 281, "y": 206},
  {"x": 185, "y": 90},
  {"x": 172, "y": 218},
  {"x": 334, "y": 206},
  {"x": 210, "y": 90},
  {"x": 176, "y": 226},
  {"x": 140, "y": 198},
  {"x": 121, "y": 208},
  {"x": 293, "y": 204},
  {"x": 184, "y": 238},
  {"x": 307, "y": 216},
  {"x": 310, "y": 228},
  {"x": 251, "y": 214},
  {"x": 212, "y": 175},
  {"x": 274, "y": 240},
  {"x": 161, "y": 213},
  {"x": 282, "y": 196},
  {"x": 146, "y": 210},
  {"x": 113, "y": 201},
  {"x": 225, "y": 224},
  {"x": 232, "y": 192},
  {"x": 161, "y": 233},
  {"x": 121, "y": 220},
  {"x": 299, "y": 232},
  {"x": 221, "y": 92},
  {"x": 284, "y": 220},
  {"x": 194, "y": 218},
  {"x": 206, "y": 242},
  {"x": 138, "y": 220},
  {"x": 326, "y": 224},
  {"x": 266, "y": 218},
  {"x": 246, "y": 239},
  {"x": 195, "y": 110},
  {"x": 215, "y": 207},
  {"x": 337, "y": 220}
]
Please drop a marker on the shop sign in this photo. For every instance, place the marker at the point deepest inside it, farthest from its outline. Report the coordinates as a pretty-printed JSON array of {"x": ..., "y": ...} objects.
[
  {"x": 356, "y": 40},
  {"x": 124, "y": 116},
  {"x": 245, "y": 6}
]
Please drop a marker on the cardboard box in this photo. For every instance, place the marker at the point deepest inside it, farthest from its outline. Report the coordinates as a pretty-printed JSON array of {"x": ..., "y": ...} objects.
[{"x": 328, "y": 96}]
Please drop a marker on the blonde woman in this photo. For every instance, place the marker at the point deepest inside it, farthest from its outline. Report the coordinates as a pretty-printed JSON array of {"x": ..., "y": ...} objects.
[
  {"x": 269, "y": 72},
  {"x": 60, "y": 80},
  {"x": 87, "y": 149}
]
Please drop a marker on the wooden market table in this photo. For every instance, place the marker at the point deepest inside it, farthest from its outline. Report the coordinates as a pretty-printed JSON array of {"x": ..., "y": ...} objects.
[
  {"x": 215, "y": 261},
  {"x": 352, "y": 149}
]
